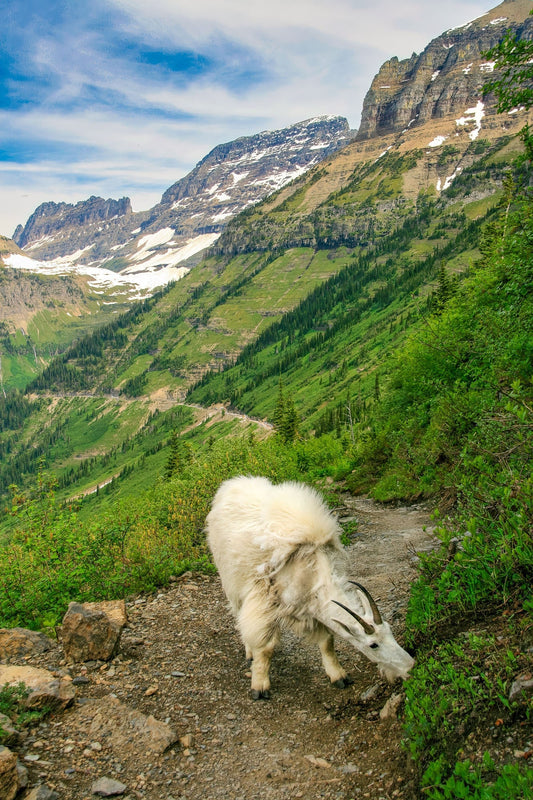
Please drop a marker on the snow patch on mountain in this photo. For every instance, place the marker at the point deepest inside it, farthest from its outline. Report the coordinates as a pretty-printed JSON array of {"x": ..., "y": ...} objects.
[
  {"x": 137, "y": 280},
  {"x": 473, "y": 115}
]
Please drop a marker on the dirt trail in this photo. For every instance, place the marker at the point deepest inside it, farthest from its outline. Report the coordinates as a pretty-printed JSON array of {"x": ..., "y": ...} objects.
[{"x": 310, "y": 740}]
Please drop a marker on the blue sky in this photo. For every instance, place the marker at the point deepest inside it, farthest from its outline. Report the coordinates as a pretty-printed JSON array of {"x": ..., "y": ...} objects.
[{"x": 123, "y": 97}]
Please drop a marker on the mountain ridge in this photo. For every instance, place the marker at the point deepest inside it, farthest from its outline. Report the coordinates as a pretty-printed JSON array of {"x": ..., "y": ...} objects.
[{"x": 108, "y": 233}]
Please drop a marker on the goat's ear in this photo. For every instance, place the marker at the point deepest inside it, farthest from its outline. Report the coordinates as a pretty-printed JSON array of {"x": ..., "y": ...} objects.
[
  {"x": 346, "y": 628},
  {"x": 373, "y": 605},
  {"x": 368, "y": 629}
]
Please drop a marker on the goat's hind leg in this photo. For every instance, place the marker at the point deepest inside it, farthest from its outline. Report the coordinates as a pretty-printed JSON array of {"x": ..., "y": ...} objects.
[
  {"x": 260, "y": 636},
  {"x": 337, "y": 675}
]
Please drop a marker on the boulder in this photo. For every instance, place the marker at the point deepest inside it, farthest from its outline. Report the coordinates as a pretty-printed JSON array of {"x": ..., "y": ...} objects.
[
  {"x": 92, "y": 631},
  {"x": 18, "y": 642},
  {"x": 9, "y": 783},
  {"x": 44, "y": 688}
]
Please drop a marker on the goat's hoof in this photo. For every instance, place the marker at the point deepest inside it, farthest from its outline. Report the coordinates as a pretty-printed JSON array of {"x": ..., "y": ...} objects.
[
  {"x": 260, "y": 694},
  {"x": 343, "y": 683}
]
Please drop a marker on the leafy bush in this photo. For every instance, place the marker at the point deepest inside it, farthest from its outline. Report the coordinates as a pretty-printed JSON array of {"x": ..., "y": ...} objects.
[
  {"x": 12, "y": 705},
  {"x": 452, "y": 693},
  {"x": 55, "y": 555}
]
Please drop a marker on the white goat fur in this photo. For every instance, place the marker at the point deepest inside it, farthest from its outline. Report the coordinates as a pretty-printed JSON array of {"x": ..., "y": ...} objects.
[{"x": 281, "y": 563}]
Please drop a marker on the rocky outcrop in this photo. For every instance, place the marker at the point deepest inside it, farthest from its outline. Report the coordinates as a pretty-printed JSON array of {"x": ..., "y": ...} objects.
[
  {"x": 9, "y": 784},
  {"x": 61, "y": 220},
  {"x": 446, "y": 78}
]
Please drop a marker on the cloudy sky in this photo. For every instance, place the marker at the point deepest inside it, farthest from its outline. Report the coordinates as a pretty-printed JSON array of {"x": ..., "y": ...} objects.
[{"x": 123, "y": 97}]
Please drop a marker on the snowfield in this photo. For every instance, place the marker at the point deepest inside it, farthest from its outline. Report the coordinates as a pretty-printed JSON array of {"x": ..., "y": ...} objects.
[{"x": 139, "y": 279}]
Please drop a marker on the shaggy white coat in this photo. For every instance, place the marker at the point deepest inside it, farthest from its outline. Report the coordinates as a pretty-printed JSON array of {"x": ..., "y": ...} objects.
[{"x": 278, "y": 552}]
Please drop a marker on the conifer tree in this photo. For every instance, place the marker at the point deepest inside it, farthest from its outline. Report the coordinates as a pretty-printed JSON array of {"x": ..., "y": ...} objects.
[
  {"x": 444, "y": 291},
  {"x": 279, "y": 411},
  {"x": 290, "y": 424},
  {"x": 179, "y": 456}
]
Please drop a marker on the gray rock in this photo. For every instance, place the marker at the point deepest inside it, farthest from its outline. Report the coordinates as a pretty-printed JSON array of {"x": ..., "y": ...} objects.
[
  {"x": 8, "y": 733},
  {"x": 369, "y": 693},
  {"x": 107, "y": 787},
  {"x": 521, "y": 688},
  {"x": 23, "y": 776}
]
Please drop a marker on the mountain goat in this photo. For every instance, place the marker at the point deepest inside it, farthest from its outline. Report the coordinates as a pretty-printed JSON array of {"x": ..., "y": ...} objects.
[{"x": 281, "y": 563}]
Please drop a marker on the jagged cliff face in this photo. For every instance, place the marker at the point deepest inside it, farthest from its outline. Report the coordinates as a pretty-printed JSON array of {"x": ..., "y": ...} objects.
[
  {"x": 192, "y": 212},
  {"x": 59, "y": 220},
  {"x": 445, "y": 79}
]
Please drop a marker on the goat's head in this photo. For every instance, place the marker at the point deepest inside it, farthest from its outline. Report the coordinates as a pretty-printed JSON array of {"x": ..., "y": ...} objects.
[{"x": 374, "y": 639}]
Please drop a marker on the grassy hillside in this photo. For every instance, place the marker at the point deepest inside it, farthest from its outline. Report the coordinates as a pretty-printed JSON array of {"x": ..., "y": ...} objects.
[
  {"x": 232, "y": 300},
  {"x": 40, "y": 316}
]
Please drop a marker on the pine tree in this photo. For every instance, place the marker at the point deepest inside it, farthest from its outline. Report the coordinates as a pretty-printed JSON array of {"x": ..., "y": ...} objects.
[
  {"x": 279, "y": 411},
  {"x": 290, "y": 424},
  {"x": 444, "y": 290},
  {"x": 179, "y": 456}
]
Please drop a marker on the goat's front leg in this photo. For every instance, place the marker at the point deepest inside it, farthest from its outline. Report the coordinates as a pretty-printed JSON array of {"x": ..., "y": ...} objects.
[{"x": 334, "y": 671}]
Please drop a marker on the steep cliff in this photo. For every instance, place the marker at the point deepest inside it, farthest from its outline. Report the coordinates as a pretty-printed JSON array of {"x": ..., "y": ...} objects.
[{"x": 446, "y": 78}]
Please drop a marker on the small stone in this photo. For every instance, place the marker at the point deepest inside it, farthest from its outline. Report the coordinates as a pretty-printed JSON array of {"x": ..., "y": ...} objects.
[
  {"x": 369, "y": 693},
  {"x": 107, "y": 787},
  {"x": 176, "y": 674},
  {"x": 151, "y": 690},
  {"x": 390, "y": 709},
  {"x": 318, "y": 762},
  {"x": 349, "y": 769},
  {"x": 519, "y": 688},
  {"x": 80, "y": 680},
  {"x": 187, "y": 740},
  {"x": 32, "y": 757}
]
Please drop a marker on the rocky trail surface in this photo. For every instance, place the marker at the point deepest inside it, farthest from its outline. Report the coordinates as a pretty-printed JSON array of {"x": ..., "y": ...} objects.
[{"x": 181, "y": 677}]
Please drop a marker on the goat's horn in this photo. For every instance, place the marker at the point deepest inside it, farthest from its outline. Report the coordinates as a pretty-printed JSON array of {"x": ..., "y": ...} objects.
[
  {"x": 375, "y": 610},
  {"x": 364, "y": 624}
]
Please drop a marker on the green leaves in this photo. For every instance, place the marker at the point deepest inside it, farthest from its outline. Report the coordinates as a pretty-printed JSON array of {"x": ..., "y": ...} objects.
[{"x": 513, "y": 59}]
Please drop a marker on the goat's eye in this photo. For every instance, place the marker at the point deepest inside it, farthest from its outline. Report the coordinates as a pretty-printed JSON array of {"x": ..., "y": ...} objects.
[{"x": 374, "y": 645}]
